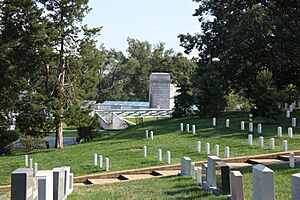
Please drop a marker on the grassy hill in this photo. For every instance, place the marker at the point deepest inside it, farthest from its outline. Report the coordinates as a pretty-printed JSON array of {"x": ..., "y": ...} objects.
[{"x": 124, "y": 148}]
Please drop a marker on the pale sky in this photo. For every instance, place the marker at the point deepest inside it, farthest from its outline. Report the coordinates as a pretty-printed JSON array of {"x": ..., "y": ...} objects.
[{"x": 151, "y": 20}]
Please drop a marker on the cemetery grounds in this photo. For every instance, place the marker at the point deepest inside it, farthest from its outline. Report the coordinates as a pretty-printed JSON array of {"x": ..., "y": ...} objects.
[{"x": 124, "y": 149}]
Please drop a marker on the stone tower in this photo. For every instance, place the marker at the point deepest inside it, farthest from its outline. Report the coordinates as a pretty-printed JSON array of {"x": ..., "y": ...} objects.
[{"x": 159, "y": 90}]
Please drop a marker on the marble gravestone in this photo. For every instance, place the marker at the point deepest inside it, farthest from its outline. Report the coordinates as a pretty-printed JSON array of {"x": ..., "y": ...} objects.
[
  {"x": 263, "y": 183},
  {"x": 45, "y": 184},
  {"x": 185, "y": 166},
  {"x": 67, "y": 180},
  {"x": 22, "y": 184},
  {"x": 237, "y": 189},
  {"x": 211, "y": 171},
  {"x": 58, "y": 183}
]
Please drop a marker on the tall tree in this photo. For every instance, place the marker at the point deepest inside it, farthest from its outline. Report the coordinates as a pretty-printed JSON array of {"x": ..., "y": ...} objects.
[
  {"x": 70, "y": 61},
  {"x": 247, "y": 37}
]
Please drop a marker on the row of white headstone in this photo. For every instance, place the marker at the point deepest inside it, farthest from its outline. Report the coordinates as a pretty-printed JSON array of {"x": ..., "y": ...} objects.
[
  {"x": 284, "y": 143},
  {"x": 100, "y": 164},
  {"x": 216, "y": 150},
  {"x": 188, "y": 128},
  {"x": 259, "y": 126},
  {"x": 147, "y": 135},
  {"x": 159, "y": 155},
  {"x": 29, "y": 183}
]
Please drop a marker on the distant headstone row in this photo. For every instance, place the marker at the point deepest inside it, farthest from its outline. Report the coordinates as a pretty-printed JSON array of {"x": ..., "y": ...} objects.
[
  {"x": 188, "y": 128},
  {"x": 159, "y": 155},
  {"x": 95, "y": 162},
  {"x": 216, "y": 150}
]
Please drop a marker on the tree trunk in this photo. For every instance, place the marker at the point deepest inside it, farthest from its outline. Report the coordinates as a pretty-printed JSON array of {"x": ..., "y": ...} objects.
[
  {"x": 60, "y": 85},
  {"x": 59, "y": 142}
]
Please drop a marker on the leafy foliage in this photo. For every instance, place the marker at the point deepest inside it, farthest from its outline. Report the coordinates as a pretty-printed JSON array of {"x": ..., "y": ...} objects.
[
  {"x": 265, "y": 96},
  {"x": 210, "y": 94}
]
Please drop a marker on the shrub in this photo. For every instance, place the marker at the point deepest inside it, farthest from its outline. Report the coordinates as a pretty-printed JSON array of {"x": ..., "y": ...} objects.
[
  {"x": 29, "y": 142},
  {"x": 6, "y": 138},
  {"x": 265, "y": 96}
]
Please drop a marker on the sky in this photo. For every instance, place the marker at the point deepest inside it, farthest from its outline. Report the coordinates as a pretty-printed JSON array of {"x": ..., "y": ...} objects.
[{"x": 146, "y": 20}]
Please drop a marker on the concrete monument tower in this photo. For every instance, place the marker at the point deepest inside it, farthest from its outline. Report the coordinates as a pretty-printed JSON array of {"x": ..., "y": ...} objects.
[{"x": 159, "y": 90}]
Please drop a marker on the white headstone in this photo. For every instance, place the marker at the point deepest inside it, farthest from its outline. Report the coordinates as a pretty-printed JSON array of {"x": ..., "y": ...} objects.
[
  {"x": 292, "y": 160},
  {"x": 214, "y": 121},
  {"x": 261, "y": 142},
  {"x": 71, "y": 182},
  {"x": 26, "y": 160},
  {"x": 207, "y": 148},
  {"x": 100, "y": 161},
  {"x": 193, "y": 175},
  {"x": 199, "y": 175},
  {"x": 295, "y": 186},
  {"x": 185, "y": 166},
  {"x": 31, "y": 163},
  {"x": 67, "y": 170},
  {"x": 250, "y": 127},
  {"x": 159, "y": 155},
  {"x": 279, "y": 131},
  {"x": 242, "y": 125},
  {"x": 168, "y": 157},
  {"x": 294, "y": 122},
  {"x": 45, "y": 184},
  {"x": 181, "y": 127},
  {"x": 95, "y": 159},
  {"x": 146, "y": 134},
  {"x": 288, "y": 114},
  {"x": 284, "y": 146},
  {"x": 279, "y": 105},
  {"x": 35, "y": 169},
  {"x": 145, "y": 151},
  {"x": 217, "y": 150},
  {"x": 250, "y": 139},
  {"x": 107, "y": 164},
  {"x": 211, "y": 171},
  {"x": 227, "y": 123},
  {"x": 227, "y": 152},
  {"x": 187, "y": 128},
  {"x": 272, "y": 143},
  {"x": 290, "y": 132},
  {"x": 194, "y": 129},
  {"x": 151, "y": 135},
  {"x": 263, "y": 183},
  {"x": 259, "y": 128},
  {"x": 237, "y": 189},
  {"x": 198, "y": 146}
]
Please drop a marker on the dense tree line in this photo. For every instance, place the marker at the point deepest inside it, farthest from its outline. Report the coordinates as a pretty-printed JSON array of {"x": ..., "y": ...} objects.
[
  {"x": 238, "y": 41},
  {"x": 49, "y": 64}
]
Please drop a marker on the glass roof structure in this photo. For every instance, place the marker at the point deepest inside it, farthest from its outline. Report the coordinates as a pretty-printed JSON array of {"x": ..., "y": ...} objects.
[{"x": 126, "y": 103}]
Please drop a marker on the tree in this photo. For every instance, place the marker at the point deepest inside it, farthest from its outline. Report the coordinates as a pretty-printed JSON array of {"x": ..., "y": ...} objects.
[
  {"x": 265, "y": 96},
  {"x": 247, "y": 37},
  {"x": 65, "y": 67},
  {"x": 210, "y": 94}
]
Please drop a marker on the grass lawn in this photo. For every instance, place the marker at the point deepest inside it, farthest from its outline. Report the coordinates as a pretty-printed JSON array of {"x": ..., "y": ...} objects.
[
  {"x": 177, "y": 187},
  {"x": 124, "y": 148}
]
